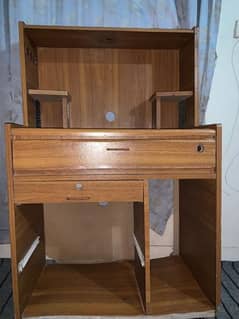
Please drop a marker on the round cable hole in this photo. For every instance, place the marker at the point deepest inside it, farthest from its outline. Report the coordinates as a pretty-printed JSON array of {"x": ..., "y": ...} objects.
[
  {"x": 200, "y": 148},
  {"x": 110, "y": 116}
]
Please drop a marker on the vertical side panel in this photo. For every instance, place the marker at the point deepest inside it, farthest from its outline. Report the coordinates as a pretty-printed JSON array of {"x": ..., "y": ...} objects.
[
  {"x": 142, "y": 247},
  {"x": 26, "y": 223},
  {"x": 189, "y": 81},
  {"x": 200, "y": 228},
  {"x": 29, "y": 75},
  {"x": 12, "y": 223}
]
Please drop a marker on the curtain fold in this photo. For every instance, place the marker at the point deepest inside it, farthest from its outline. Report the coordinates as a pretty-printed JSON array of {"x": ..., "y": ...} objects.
[{"x": 114, "y": 13}]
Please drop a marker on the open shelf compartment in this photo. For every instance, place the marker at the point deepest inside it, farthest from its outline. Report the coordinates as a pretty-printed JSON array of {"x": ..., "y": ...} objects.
[{"x": 110, "y": 290}]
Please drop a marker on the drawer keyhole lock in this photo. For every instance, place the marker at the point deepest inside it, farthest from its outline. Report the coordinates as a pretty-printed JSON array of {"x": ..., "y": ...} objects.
[
  {"x": 78, "y": 186},
  {"x": 200, "y": 148}
]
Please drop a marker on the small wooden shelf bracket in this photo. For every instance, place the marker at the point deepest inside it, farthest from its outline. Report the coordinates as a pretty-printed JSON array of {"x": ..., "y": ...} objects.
[
  {"x": 165, "y": 96},
  {"x": 54, "y": 95}
]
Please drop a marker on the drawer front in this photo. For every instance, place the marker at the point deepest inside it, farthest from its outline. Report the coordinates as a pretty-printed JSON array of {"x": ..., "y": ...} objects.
[
  {"x": 80, "y": 191},
  {"x": 68, "y": 156}
]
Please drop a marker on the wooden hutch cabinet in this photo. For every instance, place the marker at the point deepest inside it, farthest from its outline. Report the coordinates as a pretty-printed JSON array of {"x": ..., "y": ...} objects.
[{"x": 106, "y": 110}]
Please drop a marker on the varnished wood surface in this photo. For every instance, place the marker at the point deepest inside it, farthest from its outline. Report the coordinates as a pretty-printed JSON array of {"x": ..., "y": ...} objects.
[
  {"x": 219, "y": 211},
  {"x": 176, "y": 96},
  {"x": 90, "y": 290},
  {"x": 197, "y": 202},
  {"x": 99, "y": 134},
  {"x": 94, "y": 175},
  {"x": 47, "y": 94},
  {"x": 200, "y": 220},
  {"x": 50, "y": 99},
  {"x": 189, "y": 81},
  {"x": 12, "y": 221},
  {"x": 29, "y": 75},
  {"x": 62, "y": 156},
  {"x": 116, "y": 80},
  {"x": 141, "y": 233},
  {"x": 26, "y": 222},
  {"x": 79, "y": 191},
  {"x": 174, "y": 290},
  {"x": 35, "y": 145},
  {"x": 166, "y": 108},
  {"x": 29, "y": 225},
  {"x": 100, "y": 289},
  {"x": 97, "y": 37}
]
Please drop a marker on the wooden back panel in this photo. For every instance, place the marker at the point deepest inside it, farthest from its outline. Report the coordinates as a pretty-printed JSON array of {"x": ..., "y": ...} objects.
[{"x": 103, "y": 80}]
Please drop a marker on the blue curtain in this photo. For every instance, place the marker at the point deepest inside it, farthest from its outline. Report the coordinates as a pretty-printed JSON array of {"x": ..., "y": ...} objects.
[{"x": 114, "y": 13}]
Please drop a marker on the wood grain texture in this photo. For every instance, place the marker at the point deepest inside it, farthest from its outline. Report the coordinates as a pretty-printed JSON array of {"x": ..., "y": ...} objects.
[
  {"x": 116, "y": 80},
  {"x": 176, "y": 96},
  {"x": 68, "y": 157},
  {"x": 174, "y": 290},
  {"x": 189, "y": 81},
  {"x": 55, "y": 100},
  {"x": 96, "y": 37},
  {"x": 124, "y": 175},
  {"x": 123, "y": 134},
  {"x": 100, "y": 289},
  {"x": 29, "y": 224},
  {"x": 48, "y": 94},
  {"x": 26, "y": 222},
  {"x": 30, "y": 275},
  {"x": 200, "y": 220},
  {"x": 29, "y": 74},
  {"x": 165, "y": 108},
  {"x": 12, "y": 223},
  {"x": 141, "y": 233},
  {"x": 79, "y": 191}
]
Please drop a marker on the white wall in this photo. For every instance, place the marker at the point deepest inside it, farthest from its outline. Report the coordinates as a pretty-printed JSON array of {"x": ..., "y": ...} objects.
[{"x": 222, "y": 108}]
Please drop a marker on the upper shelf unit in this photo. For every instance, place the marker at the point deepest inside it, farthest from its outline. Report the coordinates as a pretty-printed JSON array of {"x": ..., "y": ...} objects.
[{"x": 110, "y": 71}]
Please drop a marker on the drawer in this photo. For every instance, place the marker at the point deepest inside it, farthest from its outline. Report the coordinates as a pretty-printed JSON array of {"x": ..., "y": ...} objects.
[
  {"x": 56, "y": 156},
  {"x": 80, "y": 191}
]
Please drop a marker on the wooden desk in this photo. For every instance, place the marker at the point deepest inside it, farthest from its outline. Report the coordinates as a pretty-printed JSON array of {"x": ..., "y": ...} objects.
[{"x": 58, "y": 166}]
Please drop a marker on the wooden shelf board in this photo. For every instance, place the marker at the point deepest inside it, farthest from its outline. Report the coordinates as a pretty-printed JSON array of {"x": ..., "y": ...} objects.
[
  {"x": 96, "y": 289},
  {"x": 174, "y": 290},
  {"x": 47, "y": 94},
  {"x": 98, "y": 37},
  {"x": 172, "y": 96}
]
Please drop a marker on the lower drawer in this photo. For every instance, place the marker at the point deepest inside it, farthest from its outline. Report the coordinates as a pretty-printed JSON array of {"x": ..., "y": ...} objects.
[{"x": 80, "y": 191}]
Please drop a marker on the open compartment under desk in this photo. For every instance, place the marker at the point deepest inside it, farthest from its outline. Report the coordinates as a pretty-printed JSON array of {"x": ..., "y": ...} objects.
[{"x": 110, "y": 290}]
